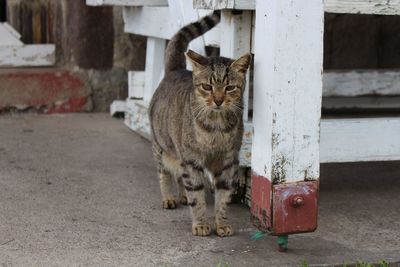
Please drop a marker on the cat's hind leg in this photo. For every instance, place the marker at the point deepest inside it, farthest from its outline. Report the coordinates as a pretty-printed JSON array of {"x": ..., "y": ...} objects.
[
  {"x": 181, "y": 190},
  {"x": 168, "y": 200}
]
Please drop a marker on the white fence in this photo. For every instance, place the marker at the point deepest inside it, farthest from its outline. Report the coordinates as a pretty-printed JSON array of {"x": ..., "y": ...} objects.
[{"x": 286, "y": 39}]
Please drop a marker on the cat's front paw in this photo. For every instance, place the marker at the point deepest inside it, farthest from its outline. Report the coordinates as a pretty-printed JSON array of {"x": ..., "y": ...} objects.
[
  {"x": 201, "y": 229},
  {"x": 224, "y": 230},
  {"x": 169, "y": 203}
]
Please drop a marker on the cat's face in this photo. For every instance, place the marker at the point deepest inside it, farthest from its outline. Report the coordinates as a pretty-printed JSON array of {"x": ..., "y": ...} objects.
[{"x": 219, "y": 82}]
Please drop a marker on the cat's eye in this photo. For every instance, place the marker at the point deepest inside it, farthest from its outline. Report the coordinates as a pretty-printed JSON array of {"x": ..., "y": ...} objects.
[
  {"x": 206, "y": 87},
  {"x": 230, "y": 87}
]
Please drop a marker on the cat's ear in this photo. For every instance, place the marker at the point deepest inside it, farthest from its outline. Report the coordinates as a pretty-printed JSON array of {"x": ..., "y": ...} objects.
[
  {"x": 197, "y": 60},
  {"x": 241, "y": 64}
]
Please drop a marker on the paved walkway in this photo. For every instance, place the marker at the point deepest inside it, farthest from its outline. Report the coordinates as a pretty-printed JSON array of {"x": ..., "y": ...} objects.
[{"x": 81, "y": 190}]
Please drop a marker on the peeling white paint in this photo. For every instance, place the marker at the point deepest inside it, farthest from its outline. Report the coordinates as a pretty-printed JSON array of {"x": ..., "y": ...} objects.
[{"x": 27, "y": 55}]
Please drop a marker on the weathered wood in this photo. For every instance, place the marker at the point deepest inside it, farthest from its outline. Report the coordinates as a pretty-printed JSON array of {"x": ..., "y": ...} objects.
[
  {"x": 366, "y": 102},
  {"x": 157, "y": 22},
  {"x": 136, "y": 81},
  {"x": 117, "y": 106},
  {"x": 378, "y": 7},
  {"x": 9, "y": 36},
  {"x": 225, "y": 4},
  {"x": 361, "y": 82},
  {"x": 154, "y": 66},
  {"x": 27, "y": 55},
  {"x": 245, "y": 150},
  {"x": 371, "y": 139},
  {"x": 137, "y": 117},
  {"x": 287, "y": 89},
  {"x": 236, "y": 41},
  {"x": 148, "y": 21},
  {"x": 127, "y": 2}
]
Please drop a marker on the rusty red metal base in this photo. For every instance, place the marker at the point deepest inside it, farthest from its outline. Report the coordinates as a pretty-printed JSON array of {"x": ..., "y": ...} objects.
[
  {"x": 283, "y": 209},
  {"x": 295, "y": 207},
  {"x": 46, "y": 89},
  {"x": 261, "y": 202}
]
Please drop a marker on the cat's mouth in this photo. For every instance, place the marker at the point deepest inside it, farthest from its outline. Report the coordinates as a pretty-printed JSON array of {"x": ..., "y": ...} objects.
[{"x": 217, "y": 109}]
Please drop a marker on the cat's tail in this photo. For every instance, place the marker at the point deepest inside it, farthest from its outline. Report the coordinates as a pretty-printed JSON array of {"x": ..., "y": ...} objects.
[{"x": 177, "y": 46}]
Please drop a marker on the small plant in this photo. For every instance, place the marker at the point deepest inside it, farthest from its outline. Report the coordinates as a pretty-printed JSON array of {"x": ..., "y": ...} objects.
[
  {"x": 363, "y": 264},
  {"x": 221, "y": 263},
  {"x": 382, "y": 263}
]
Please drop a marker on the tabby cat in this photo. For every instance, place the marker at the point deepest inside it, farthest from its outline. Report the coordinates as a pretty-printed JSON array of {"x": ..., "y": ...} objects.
[{"x": 197, "y": 127}]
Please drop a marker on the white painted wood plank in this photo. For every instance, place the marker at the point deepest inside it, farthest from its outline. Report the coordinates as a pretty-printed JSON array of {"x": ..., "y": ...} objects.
[
  {"x": 225, "y": 4},
  {"x": 136, "y": 81},
  {"x": 287, "y": 89},
  {"x": 127, "y": 2},
  {"x": 245, "y": 150},
  {"x": 27, "y": 55},
  {"x": 350, "y": 140},
  {"x": 157, "y": 22},
  {"x": 8, "y": 36},
  {"x": 361, "y": 82},
  {"x": 378, "y": 7},
  {"x": 117, "y": 106},
  {"x": 149, "y": 21},
  {"x": 365, "y": 102},
  {"x": 236, "y": 41},
  {"x": 137, "y": 117},
  {"x": 154, "y": 69}
]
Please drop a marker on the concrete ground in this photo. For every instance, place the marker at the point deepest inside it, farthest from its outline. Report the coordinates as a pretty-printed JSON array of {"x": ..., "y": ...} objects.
[{"x": 81, "y": 190}]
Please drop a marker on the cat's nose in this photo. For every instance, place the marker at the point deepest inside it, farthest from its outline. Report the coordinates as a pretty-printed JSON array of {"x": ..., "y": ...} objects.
[{"x": 218, "y": 102}]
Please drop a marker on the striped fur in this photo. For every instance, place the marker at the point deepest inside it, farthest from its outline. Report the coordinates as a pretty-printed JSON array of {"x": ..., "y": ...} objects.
[
  {"x": 177, "y": 46},
  {"x": 197, "y": 127}
]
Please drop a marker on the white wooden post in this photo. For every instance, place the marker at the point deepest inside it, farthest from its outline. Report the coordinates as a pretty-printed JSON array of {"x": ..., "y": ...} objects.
[
  {"x": 288, "y": 89},
  {"x": 154, "y": 66},
  {"x": 236, "y": 41},
  {"x": 136, "y": 82},
  {"x": 287, "y": 96}
]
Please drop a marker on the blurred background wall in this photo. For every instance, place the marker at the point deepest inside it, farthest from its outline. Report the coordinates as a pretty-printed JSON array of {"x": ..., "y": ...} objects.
[{"x": 90, "y": 42}]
